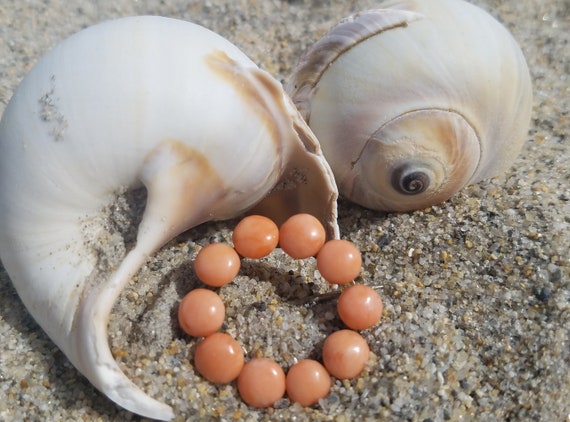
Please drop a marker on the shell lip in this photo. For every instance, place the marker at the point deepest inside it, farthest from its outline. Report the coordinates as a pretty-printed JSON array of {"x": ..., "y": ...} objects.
[
  {"x": 304, "y": 181},
  {"x": 348, "y": 32},
  {"x": 307, "y": 183}
]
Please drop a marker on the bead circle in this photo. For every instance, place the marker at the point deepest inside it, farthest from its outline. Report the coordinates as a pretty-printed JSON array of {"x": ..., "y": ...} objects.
[{"x": 261, "y": 382}]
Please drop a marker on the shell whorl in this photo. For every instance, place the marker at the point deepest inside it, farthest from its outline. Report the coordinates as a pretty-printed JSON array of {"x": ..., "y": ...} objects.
[{"x": 413, "y": 59}]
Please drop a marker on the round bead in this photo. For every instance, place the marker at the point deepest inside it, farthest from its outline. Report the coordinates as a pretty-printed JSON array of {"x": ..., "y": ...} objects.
[
  {"x": 217, "y": 264},
  {"x": 201, "y": 313},
  {"x": 339, "y": 261},
  {"x": 307, "y": 382},
  {"x": 301, "y": 236},
  {"x": 219, "y": 358},
  {"x": 345, "y": 354},
  {"x": 360, "y": 307},
  {"x": 261, "y": 382},
  {"x": 255, "y": 236}
]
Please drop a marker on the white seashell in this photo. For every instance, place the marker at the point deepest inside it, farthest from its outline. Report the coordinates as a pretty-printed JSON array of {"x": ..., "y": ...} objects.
[
  {"x": 413, "y": 102},
  {"x": 138, "y": 101}
]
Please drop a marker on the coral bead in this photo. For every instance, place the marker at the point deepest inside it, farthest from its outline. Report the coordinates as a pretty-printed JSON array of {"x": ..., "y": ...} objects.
[
  {"x": 301, "y": 236},
  {"x": 217, "y": 264},
  {"x": 339, "y": 261},
  {"x": 360, "y": 307},
  {"x": 345, "y": 354},
  {"x": 255, "y": 236},
  {"x": 201, "y": 313},
  {"x": 307, "y": 382},
  {"x": 219, "y": 358},
  {"x": 261, "y": 382}
]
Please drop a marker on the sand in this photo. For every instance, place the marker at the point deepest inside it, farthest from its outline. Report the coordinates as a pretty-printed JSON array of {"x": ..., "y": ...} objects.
[{"x": 476, "y": 290}]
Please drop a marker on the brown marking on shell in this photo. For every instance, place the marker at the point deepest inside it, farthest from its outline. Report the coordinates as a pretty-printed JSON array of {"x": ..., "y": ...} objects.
[
  {"x": 257, "y": 89},
  {"x": 184, "y": 156},
  {"x": 176, "y": 167},
  {"x": 345, "y": 35}
]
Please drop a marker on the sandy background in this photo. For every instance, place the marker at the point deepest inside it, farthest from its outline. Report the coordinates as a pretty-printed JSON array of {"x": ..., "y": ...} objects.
[{"x": 477, "y": 295}]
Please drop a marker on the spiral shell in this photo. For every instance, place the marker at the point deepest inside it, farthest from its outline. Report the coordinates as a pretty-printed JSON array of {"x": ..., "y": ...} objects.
[
  {"x": 140, "y": 101},
  {"x": 414, "y": 101}
]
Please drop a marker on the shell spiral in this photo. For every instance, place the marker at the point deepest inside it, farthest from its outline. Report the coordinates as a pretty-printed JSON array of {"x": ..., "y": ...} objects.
[
  {"x": 414, "y": 101},
  {"x": 139, "y": 102}
]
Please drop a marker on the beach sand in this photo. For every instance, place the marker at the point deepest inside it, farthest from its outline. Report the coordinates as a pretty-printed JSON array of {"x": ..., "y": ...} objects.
[{"x": 476, "y": 290}]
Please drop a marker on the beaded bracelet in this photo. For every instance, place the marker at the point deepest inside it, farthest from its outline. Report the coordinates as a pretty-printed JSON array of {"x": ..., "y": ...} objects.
[{"x": 261, "y": 381}]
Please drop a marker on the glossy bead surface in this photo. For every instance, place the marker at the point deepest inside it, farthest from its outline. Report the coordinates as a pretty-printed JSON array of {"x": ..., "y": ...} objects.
[
  {"x": 217, "y": 264},
  {"x": 219, "y": 358},
  {"x": 255, "y": 236},
  {"x": 339, "y": 261},
  {"x": 201, "y": 312},
  {"x": 345, "y": 354},
  {"x": 360, "y": 307},
  {"x": 261, "y": 382},
  {"x": 307, "y": 382},
  {"x": 301, "y": 236}
]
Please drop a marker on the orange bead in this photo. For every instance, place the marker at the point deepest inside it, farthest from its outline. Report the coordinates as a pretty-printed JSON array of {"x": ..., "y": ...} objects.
[
  {"x": 360, "y": 307},
  {"x": 339, "y": 261},
  {"x": 307, "y": 382},
  {"x": 301, "y": 236},
  {"x": 345, "y": 354},
  {"x": 219, "y": 358},
  {"x": 255, "y": 236},
  {"x": 217, "y": 264},
  {"x": 201, "y": 312},
  {"x": 261, "y": 382}
]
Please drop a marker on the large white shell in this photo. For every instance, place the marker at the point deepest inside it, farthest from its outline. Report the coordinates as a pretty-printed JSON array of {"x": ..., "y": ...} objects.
[
  {"x": 138, "y": 101},
  {"x": 414, "y": 101}
]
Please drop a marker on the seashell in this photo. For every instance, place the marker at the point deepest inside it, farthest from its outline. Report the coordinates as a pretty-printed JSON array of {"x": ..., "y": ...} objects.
[
  {"x": 140, "y": 101},
  {"x": 415, "y": 101}
]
